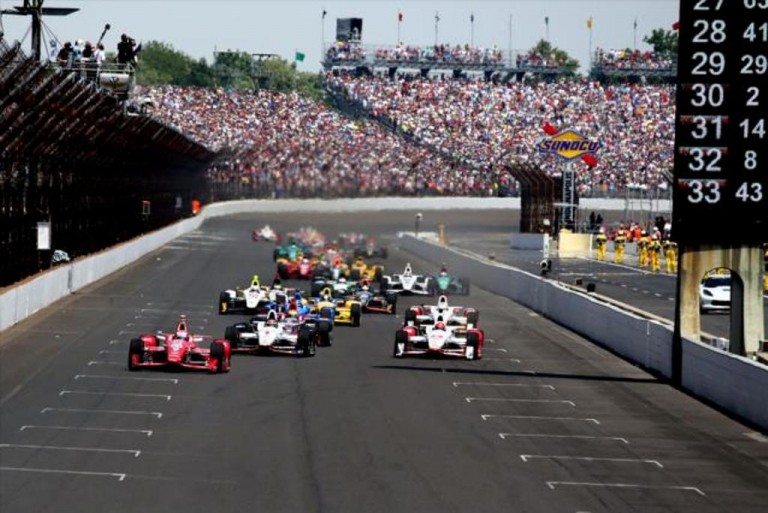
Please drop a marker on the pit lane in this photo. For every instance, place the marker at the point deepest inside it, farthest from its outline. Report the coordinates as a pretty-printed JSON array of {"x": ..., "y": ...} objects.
[{"x": 546, "y": 421}]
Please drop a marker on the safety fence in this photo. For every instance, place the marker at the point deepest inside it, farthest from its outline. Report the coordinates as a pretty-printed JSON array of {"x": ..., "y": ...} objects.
[{"x": 74, "y": 160}]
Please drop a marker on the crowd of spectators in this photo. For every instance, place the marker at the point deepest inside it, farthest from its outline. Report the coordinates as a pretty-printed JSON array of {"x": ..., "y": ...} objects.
[
  {"x": 488, "y": 124},
  {"x": 283, "y": 145},
  {"x": 535, "y": 59},
  {"x": 345, "y": 51},
  {"x": 631, "y": 60},
  {"x": 443, "y": 53}
]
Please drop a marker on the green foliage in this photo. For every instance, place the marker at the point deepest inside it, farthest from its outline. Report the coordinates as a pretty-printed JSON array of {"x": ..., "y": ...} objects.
[
  {"x": 664, "y": 42},
  {"x": 160, "y": 63},
  {"x": 546, "y": 50}
]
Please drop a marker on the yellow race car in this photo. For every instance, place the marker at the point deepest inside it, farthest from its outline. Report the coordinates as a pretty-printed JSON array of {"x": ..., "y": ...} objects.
[
  {"x": 359, "y": 271},
  {"x": 342, "y": 310}
]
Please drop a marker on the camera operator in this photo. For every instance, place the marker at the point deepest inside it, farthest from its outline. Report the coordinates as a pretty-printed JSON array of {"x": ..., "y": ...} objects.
[{"x": 126, "y": 50}]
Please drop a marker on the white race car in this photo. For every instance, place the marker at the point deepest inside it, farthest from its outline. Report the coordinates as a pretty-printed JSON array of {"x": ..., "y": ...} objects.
[
  {"x": 715, "y": 293},
  {"x": 268, "y": 335},
  {"x": 450, "y": 314},
  {"x": 408, "y": 283},
  {"x": 439, "y": 339},
  {"x": 265, "y": 234}
]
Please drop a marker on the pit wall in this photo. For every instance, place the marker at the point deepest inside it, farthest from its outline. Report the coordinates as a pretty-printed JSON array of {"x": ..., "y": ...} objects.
[{"x": 735, "y": 384}]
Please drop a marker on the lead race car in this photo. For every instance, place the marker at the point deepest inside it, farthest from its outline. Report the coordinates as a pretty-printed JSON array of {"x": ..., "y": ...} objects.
[
  {"x": 439, "y": 339},
  {"x": 408, "y": 282},
  {"x": 179, "y": 349},
  {"x": 266, "y": 233},
  {"x": 451, "y": 314}
]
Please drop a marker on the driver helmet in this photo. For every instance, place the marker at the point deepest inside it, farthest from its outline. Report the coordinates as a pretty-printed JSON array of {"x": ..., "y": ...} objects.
[
  {"x": 255, "y": 280},
  {"x": 182, "y": 335},
  {"x": 365, "y": 286},
  {"x": 342, "y": 279},
  {"x": 439, "y": 325}
]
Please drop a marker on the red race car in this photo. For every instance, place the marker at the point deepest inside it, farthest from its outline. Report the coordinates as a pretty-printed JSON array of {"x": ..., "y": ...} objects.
[
  {"x": 439, "y": 339},
  {"x": 179, "y": 349},
  {"x": 302, "y": 269}
]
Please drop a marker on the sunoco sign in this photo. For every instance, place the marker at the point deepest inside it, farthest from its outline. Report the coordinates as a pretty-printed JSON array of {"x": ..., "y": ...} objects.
[{"x": 568, "y": 144}]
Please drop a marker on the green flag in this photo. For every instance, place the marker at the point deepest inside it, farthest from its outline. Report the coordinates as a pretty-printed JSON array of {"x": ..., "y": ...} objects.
[{"x": 300, "y": 56}]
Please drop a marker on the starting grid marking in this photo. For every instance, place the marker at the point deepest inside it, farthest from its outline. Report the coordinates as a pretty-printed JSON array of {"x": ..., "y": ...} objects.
[
  {"x": 147, "y": 432},
  {"x": 504, "y": 436},
  {"x": 136, "y": 453},
  {"x": 159, "y": 380},
  {"x": 118, "y": 476},
  {"x": 486, "y": 416},
  {"x": 526, "y": 457},
  {"x": 503, "y": 400},
  {"x": 155, "y": 414},
  {"x": 554, "y": 484},
  {"x": 123, "y": 394},
  {"x": 457, "y": 384}
]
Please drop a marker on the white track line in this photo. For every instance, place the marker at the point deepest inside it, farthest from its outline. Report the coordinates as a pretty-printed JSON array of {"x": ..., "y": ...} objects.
[
  {"x": 147, "y": 432},
  {"x": 124, "y": 394},
  {"x": 487, "y": 416},
  {"x": 553, "y": 484},
  {"x": 505, "y": 400},
  {"x": 102, "y": 362},
  {"x": 526, "y": 457},
  {"x": 504, "y": 436},
  {"x": 156, "y": 414},
  {"x": 94, "y": 376},
  {"x": 483, "y": 384},
  {"x": 120, "y": 477},
  {"x": 136, "y": 453}
]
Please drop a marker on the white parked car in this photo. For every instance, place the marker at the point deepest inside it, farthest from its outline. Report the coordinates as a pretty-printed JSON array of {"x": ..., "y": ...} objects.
[{"x": 715, "y": 293}]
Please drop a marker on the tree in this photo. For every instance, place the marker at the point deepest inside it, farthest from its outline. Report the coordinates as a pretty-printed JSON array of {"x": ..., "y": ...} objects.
[
  {"x": 161, "y": 64},
  {"x": 664, "y": 42},
  {"x": 546, "y": 50}
]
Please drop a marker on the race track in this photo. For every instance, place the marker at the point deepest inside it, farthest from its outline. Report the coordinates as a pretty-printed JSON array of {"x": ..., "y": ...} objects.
[{"x": 546, "y": 422}]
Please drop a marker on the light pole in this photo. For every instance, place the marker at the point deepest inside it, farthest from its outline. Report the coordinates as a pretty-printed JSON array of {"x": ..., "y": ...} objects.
[{"x": 437, "y": 20}]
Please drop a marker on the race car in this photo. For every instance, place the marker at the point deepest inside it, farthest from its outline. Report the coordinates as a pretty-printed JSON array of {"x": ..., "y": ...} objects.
[
  {"x": 248, "y": 299},
  {"x": 268, "y": 335},
  {"x": 442, "y": 311},
  {"x": 360, "y": 270},
  {"x": 339, "y": 288},
  {"x": 370, "y": 249},
  {"x": 447, "y": 284},
  {"x": 346, "y": 310},
  {"x": 179, "y": 349},
  {"x": 373, "y": 301},
  {"x": 266, "y": 233},
  {"x": 408, "y": 283},
  {"x": 296, "y": 269},
  {"x": 715, "y": 291},
  {"x": 439, "y": 340}
]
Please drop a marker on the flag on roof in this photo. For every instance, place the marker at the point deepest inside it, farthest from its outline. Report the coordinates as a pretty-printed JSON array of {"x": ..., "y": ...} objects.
[{"x": 300, "y": 56}]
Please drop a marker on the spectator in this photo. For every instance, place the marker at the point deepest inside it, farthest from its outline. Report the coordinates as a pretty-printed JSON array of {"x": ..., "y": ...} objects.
[
  {"x": 65, "y": 57},
  {"x": 125, "y": 50}
]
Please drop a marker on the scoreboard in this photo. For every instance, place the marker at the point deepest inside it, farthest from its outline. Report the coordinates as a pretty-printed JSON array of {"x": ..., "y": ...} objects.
[{"x": 721, "y": 123}]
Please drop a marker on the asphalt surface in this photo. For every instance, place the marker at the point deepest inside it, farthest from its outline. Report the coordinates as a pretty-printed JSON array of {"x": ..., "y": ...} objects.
[{"x": 547, "y": 421}]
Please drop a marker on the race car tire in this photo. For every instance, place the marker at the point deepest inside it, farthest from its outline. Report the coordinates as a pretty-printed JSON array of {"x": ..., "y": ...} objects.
[
  {"x": 392, "y": 300},
  {"x": 136, "y": 348},
  {"x": 324, "y": 333},
  {"x": 354, "y": 275},
  {"x": 464, "y": 286},
  {"x": 378, "y": 275},
  {"x": 218, "y": 352},
  {"x": 306, "y": 344},
  {"x": 230, "y": 333},
  {"x": 401, "y": 339},
  {"x": 355, "y": 313},
  {"x": 473, "y": 341},
  {"x": 473, "y": 317},
  {"x": 275, "y": 254},
  {"x": 223, "y": 303},
  {"x": 410, "y": 316},
  {"x": 384, "y": 253},
  {"x": 431, "y": 288},
  {"x": 315, "y": 289},
  {"x": 282, "y": 271},
  {"x": 326, "y": 312}
]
